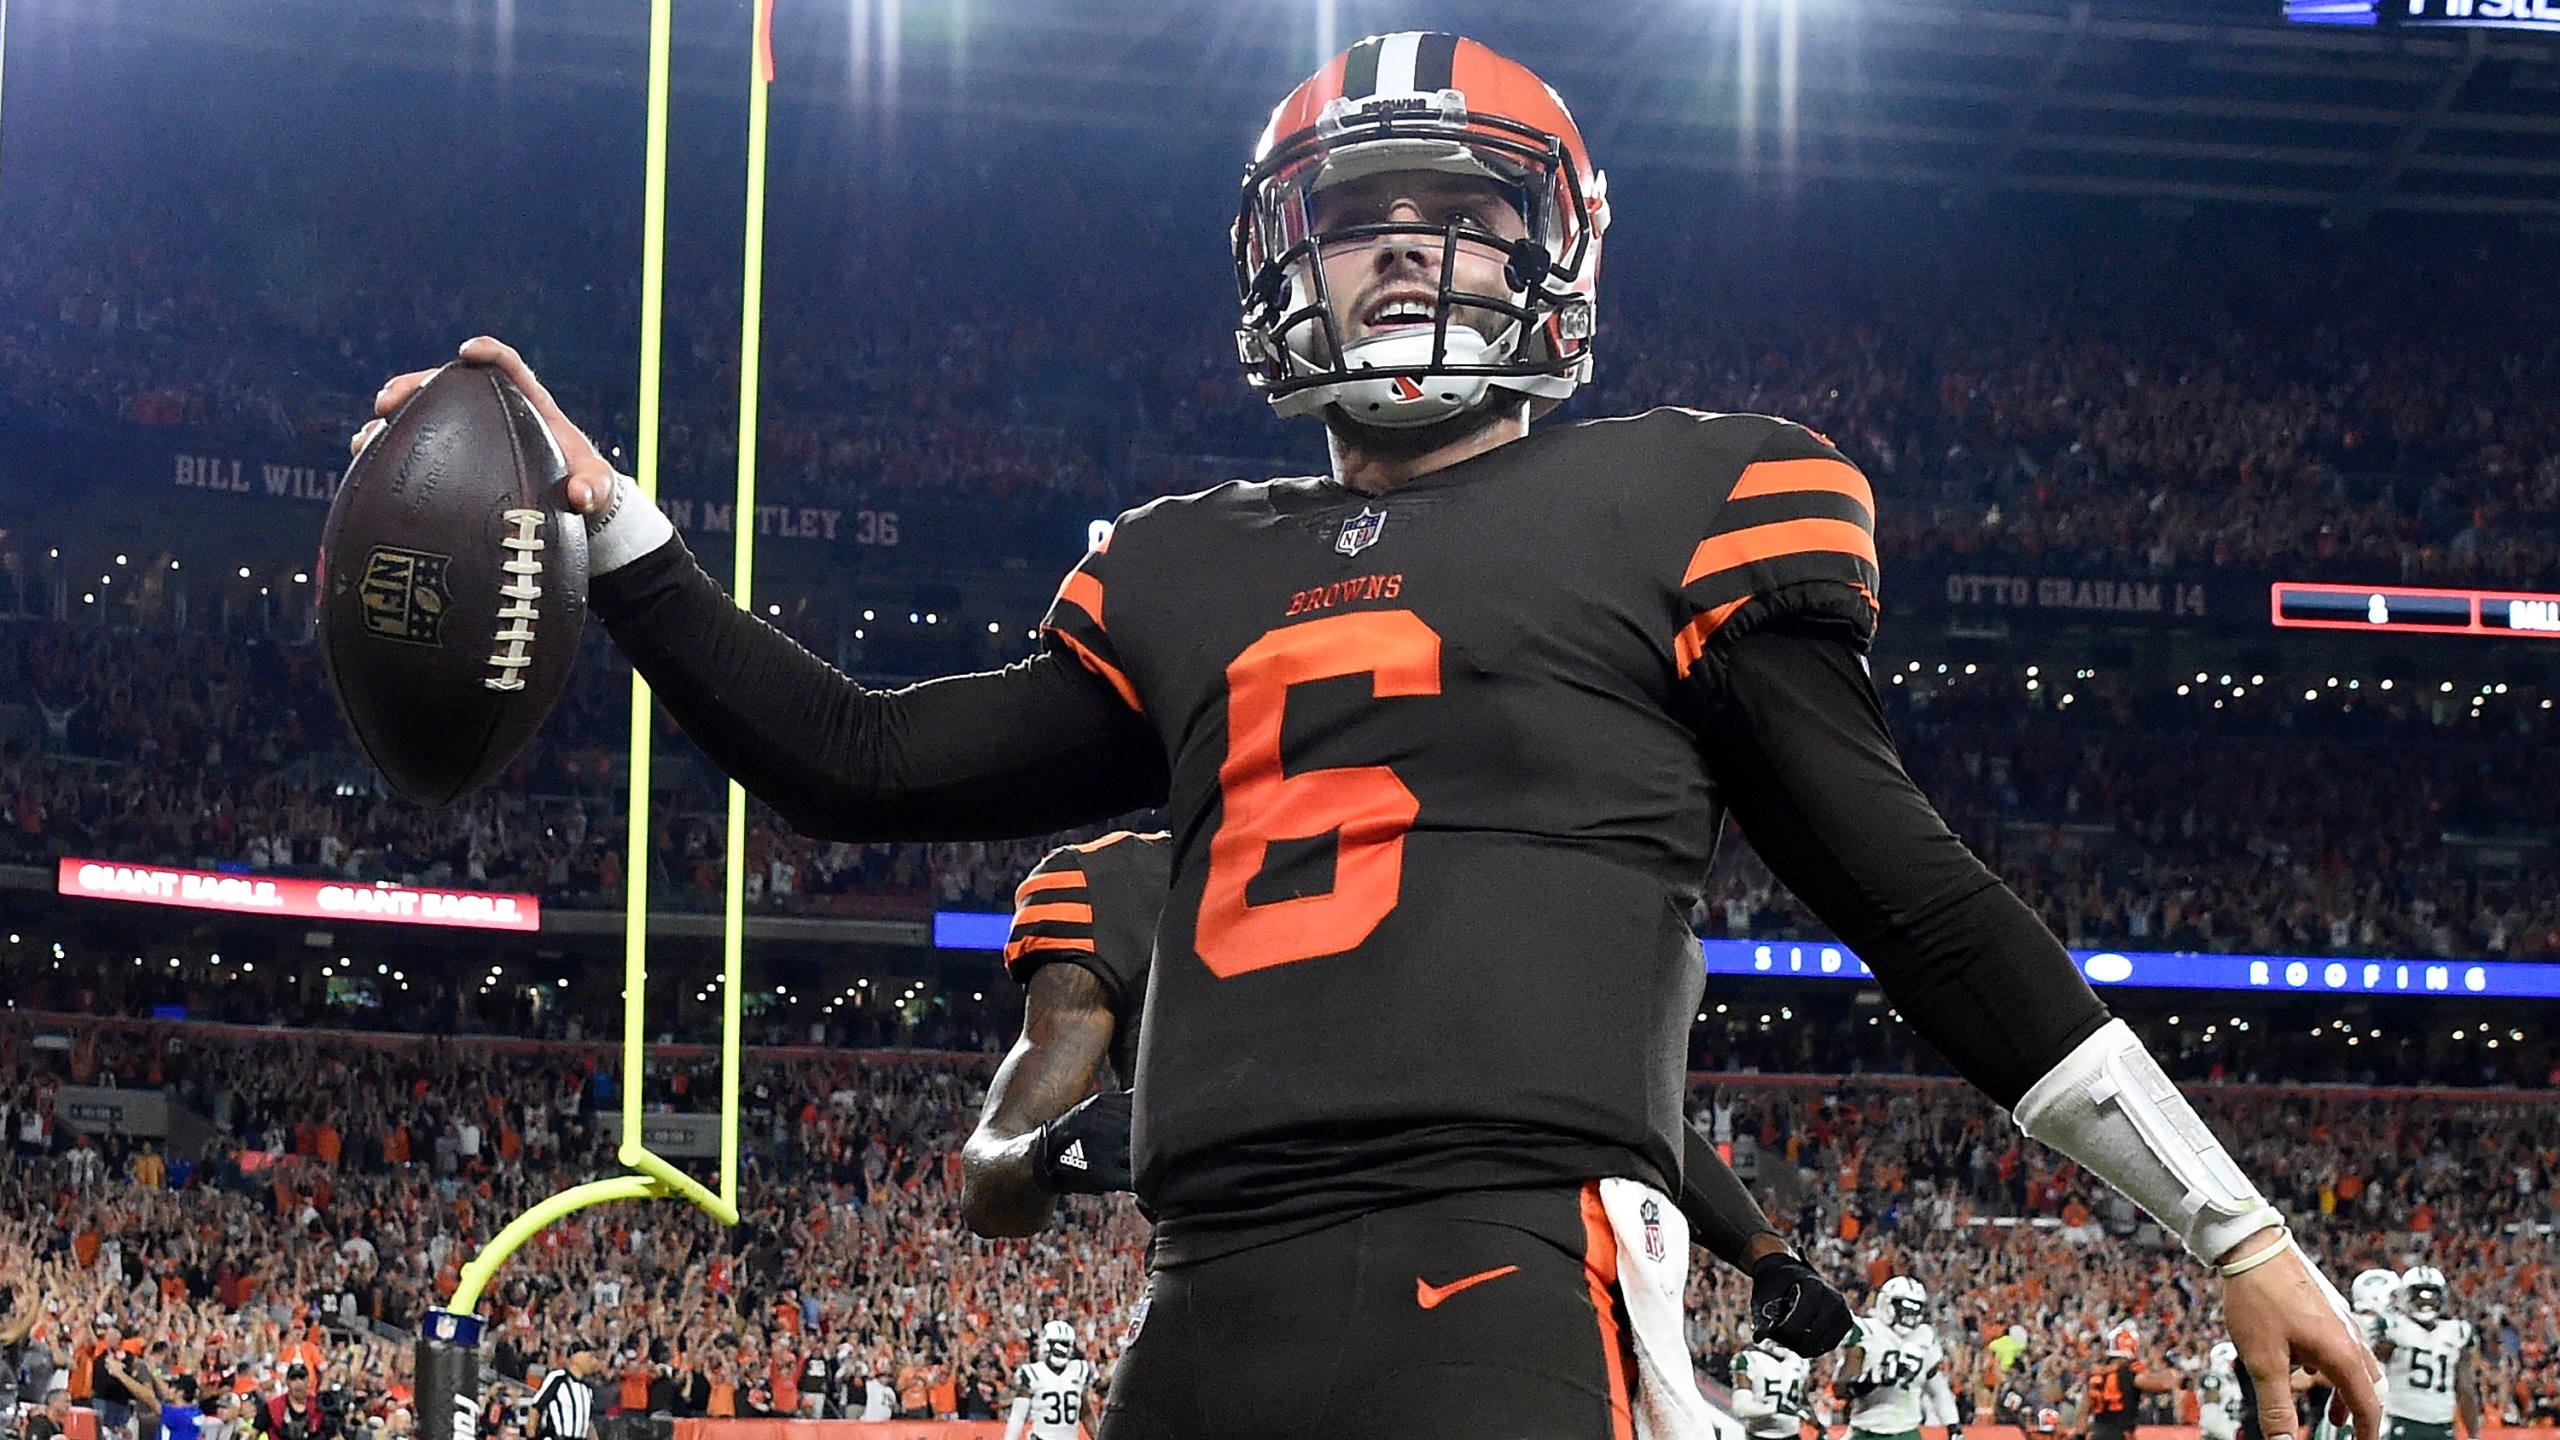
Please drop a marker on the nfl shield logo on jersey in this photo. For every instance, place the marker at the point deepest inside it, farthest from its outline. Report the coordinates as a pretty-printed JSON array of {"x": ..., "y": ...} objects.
[
  {"x": 1652, "y": 1213},
  {"x": 1360, "y": 531}
]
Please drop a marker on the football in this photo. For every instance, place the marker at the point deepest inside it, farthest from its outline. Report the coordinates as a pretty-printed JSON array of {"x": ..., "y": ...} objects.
[{"x": 453, "y": 585}]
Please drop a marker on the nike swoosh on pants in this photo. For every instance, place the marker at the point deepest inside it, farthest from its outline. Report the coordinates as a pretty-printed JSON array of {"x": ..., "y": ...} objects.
[{"x": 1429, "y": 1296}]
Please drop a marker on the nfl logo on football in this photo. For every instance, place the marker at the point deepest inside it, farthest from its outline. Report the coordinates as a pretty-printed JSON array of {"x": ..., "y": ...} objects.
[{"x": 1360, "y": 531}]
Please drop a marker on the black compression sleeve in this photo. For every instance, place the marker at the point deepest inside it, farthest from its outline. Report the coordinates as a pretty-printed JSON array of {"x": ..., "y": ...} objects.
[
  {"x": 1796, "y": 738},
  {"x": 1722, "y": 1215},
  {"x": 1030, "y": 749}
]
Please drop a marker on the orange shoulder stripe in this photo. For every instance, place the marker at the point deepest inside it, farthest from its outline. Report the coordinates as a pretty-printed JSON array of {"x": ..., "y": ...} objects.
[
  {"x": 1063, "y": 912},
  {"x": 1030, "y": 944},
  {"x": 1789, "y": 477},
  {"x": 1719, "y": 553},
  {"x": 1084, "y": 592},
  {"x": 1040, "y": 884},
  {"x": 1104, "y": 668},
  {"x": 1691, "y": 643}
]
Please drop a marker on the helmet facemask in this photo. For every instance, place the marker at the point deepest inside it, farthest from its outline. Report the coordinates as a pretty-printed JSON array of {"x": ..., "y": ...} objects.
[{"x": 1530, "y": 340}]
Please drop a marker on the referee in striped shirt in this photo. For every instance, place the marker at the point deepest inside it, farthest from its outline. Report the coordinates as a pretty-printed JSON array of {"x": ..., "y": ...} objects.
[{"x": 565, "y": 1407}]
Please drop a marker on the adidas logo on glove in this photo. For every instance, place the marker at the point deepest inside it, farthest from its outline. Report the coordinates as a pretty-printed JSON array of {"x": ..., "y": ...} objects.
[{"x": 1074, "y": 1157}]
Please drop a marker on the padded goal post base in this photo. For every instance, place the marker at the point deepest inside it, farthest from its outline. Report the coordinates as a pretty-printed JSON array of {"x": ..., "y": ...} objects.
[{"x": 448, "y": 1380}]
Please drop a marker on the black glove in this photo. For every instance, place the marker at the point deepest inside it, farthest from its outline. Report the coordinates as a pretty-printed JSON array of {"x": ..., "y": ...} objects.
[
  {"x": 1086, "y": 1150},
  {"x": 1796, "y": 1307}
]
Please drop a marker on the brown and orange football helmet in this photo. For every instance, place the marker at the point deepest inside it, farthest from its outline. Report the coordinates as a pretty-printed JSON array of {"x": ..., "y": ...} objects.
[{"x": 1420, "y": 101}]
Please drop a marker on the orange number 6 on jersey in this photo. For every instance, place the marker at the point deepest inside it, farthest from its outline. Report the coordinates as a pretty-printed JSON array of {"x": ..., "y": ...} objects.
[{"x": 1365, "y": 806}]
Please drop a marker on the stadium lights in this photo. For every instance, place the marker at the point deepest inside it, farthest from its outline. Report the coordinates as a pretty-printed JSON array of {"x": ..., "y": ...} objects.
[
  {"x": 301, "y": 577},
  {"x": 327, "y": 973},
  {"x": 244, "y": 572},
  {"x": 773, "y": 609},
  {"x": 2031, "y": 671},
  {"x": 173, "y": 564},
  {"x": 120, "y": 560},
  {"x": 248, "y": 965},
  {"x": 867, "y": 615},
  {"x": 2257, "y": 679}
]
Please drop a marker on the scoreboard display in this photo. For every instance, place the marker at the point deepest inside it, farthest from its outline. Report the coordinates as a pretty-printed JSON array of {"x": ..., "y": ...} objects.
[
  {"x": 2428, "y": 14},
  {"x": 2302, "y": 605}
]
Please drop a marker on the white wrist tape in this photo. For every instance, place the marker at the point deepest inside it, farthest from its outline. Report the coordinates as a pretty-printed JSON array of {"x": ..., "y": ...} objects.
[
  {"x": 2109, "y": 1106},
  {"x": 631, "y": 526}
]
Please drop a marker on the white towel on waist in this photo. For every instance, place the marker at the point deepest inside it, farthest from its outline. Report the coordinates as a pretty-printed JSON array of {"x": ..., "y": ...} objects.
[{"x": 1653, "y": 1277}]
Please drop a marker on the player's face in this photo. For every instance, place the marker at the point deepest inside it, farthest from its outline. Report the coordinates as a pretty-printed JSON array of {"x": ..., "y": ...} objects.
[
  {"x": 1387, "y": 283},
  {"x": 1060, "y": 1352}
]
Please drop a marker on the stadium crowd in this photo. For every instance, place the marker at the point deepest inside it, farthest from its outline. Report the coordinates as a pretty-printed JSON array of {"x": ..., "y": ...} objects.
[
  {"x": 2129, "y": 816},
  {"x": 350, "y": 1177},
  {"x": 2004, "y": 399}
]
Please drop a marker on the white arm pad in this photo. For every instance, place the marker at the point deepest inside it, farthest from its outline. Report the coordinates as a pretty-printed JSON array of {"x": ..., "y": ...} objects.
[
  {"x": 1938, "y": 1400},
  {"x": 632, "y": 525},
  {"x": 2109, "y": 1106},
  {"x": 1750, "y": 1404}
]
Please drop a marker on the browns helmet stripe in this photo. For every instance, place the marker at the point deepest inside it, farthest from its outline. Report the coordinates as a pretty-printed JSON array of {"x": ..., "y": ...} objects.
[
  {"x": 1434, "y": 62},
  {"x": 1360, "y": 70}
]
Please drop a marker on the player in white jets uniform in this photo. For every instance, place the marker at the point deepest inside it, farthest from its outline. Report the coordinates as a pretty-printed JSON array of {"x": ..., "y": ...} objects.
[
  {"x": 1769, "y": 1384},
  {"x": 1895, "y": 1371},
  {"x": 2218, "y": 1393},
  {"x": 2426, "y": 1356},
  {"x": 2372, "y": 1295},
  {"x": 1053, "y": 1386}
]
